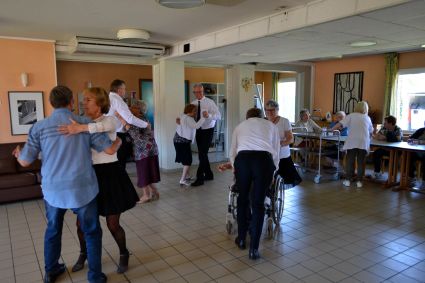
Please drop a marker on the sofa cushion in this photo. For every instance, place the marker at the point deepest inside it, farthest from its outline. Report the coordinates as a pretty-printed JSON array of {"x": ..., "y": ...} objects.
[
  {"x": 7, "y": 165},
  {"x": 17, "y": 180}
]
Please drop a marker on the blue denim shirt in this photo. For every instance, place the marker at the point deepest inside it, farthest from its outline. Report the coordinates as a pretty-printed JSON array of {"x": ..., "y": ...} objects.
[{"x": 68, "y": 178}]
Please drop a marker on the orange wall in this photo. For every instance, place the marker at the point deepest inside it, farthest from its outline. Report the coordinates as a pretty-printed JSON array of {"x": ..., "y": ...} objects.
[
  {"x": 37, "y": 58},
  {"x": 373, "y": 80},
  {"x": 207, "y": 75},
  {"x": 76, "y": 75},
  {"x": 266, "y": 79},
  {"x": 411, "y": 60}
]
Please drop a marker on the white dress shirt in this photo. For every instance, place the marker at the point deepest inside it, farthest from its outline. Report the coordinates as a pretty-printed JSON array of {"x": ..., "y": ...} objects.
[
  {"x": 283, "y": 125},
  {"x": 256, "y": 134},
  {"x": 188, "y": 126},
  {"x": 109, "y": 125},
  {"x": 213, "y": 112},
  {"x": 359, "y": 131},
  {"x": 118, "y": 105}
]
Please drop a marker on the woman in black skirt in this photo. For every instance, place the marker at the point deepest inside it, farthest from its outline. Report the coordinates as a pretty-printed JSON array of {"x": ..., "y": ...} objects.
[
  {"x": 185, "y": 134},
  {"x": 287, "y": 169},
  {"x": 116, "y": 191}
]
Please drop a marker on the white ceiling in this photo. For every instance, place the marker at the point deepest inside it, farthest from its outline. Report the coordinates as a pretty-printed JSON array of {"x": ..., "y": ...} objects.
[
  {"x": 64, "y": 19},
  {"x": 399, "y": 28}
]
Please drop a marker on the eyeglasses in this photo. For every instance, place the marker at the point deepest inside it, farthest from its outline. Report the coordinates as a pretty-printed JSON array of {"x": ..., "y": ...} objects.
[
  {"x": 271, "y": 109},
  {"x": 199, "y": 91}
]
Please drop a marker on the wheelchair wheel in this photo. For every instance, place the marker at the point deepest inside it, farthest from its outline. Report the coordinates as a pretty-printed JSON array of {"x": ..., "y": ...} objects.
[
  {"x": 234, "y": 205},
  {"x": 278, "y": 201}
]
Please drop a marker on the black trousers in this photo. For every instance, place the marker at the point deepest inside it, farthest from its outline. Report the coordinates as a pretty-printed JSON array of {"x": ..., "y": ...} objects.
[
  {"x": 125, "y": 150},
  {"x": 377, "y": 157},
  {"x": 254, "y": 175},
  {"x": 203, "y": 140}
]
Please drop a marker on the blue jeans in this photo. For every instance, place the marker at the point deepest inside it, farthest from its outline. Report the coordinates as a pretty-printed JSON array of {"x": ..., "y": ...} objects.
[{"x": 89, "y": 219}]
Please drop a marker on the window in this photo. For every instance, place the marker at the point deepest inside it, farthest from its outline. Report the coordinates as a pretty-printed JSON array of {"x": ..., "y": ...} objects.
[
  {"x": 410, "y": 99},
  {"x": 286, "y": 94}
]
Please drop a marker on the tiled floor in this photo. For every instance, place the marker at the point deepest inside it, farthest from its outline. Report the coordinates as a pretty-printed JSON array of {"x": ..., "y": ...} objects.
[{"x": 328, "y": 234}]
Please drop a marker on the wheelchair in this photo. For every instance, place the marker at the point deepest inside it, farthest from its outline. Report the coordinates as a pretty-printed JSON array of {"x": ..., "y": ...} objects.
[{"x": 274, "y": 203}]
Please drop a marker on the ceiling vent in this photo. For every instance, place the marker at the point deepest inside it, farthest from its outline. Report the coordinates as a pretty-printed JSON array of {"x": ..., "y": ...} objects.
[{"x": 98, "y": 46}]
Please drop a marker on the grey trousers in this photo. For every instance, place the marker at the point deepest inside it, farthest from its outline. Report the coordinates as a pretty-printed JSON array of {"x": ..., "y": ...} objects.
[{"x": 352, "y": 155}]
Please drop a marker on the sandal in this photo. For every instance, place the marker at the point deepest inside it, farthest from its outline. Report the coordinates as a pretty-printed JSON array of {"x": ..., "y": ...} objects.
[
  {"x": 144, "y": 199},
  {"x": 155, "y": 196}
]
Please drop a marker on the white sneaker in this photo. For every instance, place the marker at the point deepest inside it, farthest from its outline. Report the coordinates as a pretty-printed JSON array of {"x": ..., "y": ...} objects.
[
  {"x": 377, "y": 175},
  {"x": 359, "y": 184},
  {"x": 346, "y": 183},
  {"x": 184, "y": 183}
]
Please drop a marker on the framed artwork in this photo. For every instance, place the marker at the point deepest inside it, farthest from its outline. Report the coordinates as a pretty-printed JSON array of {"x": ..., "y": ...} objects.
[
  {"x": 348, "y": 90},
  {"x": 146, "y": 94},
  {"x": 26, "y": 108}
]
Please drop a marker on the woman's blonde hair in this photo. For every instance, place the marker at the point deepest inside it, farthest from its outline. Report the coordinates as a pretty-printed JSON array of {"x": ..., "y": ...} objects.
[
  {"x": 361, "y": 107},
  {"x": 101, "y": 97}
]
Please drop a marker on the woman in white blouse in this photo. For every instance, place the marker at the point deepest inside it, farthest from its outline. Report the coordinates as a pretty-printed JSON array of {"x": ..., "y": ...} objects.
[
  {"x": 116, "y": 191},
  {"x": 358, "y": 141},
  {"x": 184, "y": 137}
]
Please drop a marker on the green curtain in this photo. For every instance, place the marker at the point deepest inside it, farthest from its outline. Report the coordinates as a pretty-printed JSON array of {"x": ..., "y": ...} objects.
[
  {"x": 391, "y": 68},
  {"x": 275, "y": 81}
]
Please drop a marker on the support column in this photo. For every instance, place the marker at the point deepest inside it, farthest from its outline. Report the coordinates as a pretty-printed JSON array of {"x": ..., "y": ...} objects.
[
  {"x": 168, "y": 83},
  {"x": 239, "y": 98}
]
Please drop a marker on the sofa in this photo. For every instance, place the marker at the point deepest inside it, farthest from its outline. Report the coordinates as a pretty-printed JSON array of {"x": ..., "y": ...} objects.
[{"x": 17, "y": 182}]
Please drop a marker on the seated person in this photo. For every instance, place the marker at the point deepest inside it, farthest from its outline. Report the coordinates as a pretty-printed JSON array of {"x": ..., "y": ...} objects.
[
  {"x": 415, "y": 156},
  {"x": 305, "y": 124},
  {"x": 339, "y": 116},
  {"x": 390, "y": 132}
]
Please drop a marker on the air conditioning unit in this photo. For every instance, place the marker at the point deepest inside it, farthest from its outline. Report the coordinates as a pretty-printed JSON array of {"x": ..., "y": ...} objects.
[{"x": 98, "y": 46}]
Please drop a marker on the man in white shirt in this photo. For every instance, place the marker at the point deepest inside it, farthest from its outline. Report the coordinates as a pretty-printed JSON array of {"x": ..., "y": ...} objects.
[
  {"x": 118, "y": 105},
  {"x": 255, "y": 156},
  {"x": 205, "y": 133}
]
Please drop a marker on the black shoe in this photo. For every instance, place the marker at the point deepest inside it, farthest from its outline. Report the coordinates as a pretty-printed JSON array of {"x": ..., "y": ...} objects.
[
  {"x": 209, "y": 177},
  {"x": 240, "y": 243},
  {"x": 51, "y": 276},
  {"x": 197, "y": 183},
  {"x": 123, "y": 265},
  {"x": 103, "y": 278},
  {"x": 254, "y": 254},
  {"x": 80, "y": 263}
]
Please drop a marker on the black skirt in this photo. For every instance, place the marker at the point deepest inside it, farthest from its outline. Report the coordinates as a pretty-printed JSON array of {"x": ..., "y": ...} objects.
[
  {"x": 116, "y": 191},
  {"x": 288, "y": 171},
  {"x": 183, "y": 153}
]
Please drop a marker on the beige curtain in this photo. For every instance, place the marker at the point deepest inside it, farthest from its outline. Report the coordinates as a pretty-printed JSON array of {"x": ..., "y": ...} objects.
[
  {"x": 391, "y": 68},
  {"x": 275, "y": 81}
]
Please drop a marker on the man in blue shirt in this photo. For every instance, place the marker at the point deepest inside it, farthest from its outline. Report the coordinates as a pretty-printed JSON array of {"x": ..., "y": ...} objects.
[{"x": 68, "y": 181}]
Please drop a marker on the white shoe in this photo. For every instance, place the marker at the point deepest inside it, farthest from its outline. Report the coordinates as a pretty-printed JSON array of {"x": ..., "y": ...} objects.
[
  {"x": 184, "y": 183},
  {"x": 189, "y": 178},
  {"x": 346, "y": 183},
  {"x": 359, "y": 184}
]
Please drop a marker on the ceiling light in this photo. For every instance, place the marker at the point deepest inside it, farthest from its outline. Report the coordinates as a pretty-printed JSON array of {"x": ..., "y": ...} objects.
[
  {"x": 364, "y": 43},
  {"x": 249, "y": 54},
  {"x": 133, "y": 35},
  {"x": 181, "y": 4}
]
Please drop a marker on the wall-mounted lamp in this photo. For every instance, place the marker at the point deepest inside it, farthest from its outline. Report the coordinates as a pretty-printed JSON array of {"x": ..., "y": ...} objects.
[{"x": 24, "y": 79}]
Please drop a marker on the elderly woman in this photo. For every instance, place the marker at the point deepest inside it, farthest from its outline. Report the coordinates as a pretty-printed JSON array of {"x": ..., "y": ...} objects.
[
  {"x": 358, "y": 141},
  {"x": 306, "y": 122},
  {"x": 145, "y": 153},
  {"x": 116, "y": 191},
  {"x": 286, "y": 166}
]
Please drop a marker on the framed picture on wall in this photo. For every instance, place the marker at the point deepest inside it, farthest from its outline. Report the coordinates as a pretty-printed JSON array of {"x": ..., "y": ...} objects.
[
  {"x": 26, "y": 108},
  {"x": 348, "y": 90}
]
